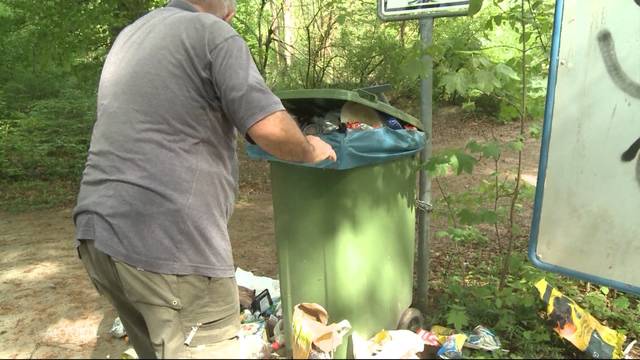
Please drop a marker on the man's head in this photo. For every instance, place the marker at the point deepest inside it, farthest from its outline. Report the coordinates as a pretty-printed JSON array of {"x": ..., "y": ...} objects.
[{"x": 224, "y": 9}]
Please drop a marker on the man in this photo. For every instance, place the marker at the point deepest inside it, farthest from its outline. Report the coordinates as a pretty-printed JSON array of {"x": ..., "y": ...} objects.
[{"x": 160, "y": 179}]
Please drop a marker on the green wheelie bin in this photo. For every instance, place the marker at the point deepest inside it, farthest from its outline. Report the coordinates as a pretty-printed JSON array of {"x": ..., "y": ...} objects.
[{"x": 345, "y": 232}]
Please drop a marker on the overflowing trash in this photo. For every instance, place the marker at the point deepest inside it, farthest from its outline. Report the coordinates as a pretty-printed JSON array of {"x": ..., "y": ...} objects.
[
  {"x": 579, "y": 327},
  {"x": 261, "y": 332},
  {"x": 452, "y": 347},
  {"x": 393, "y": 344},
  {"x": 442, "y": 333},
  {"x": 117, "y": 330},
  {"x": 482, "y": 339},
  {"x": 247, "y": 296},
  {"x": 360, "y": 134},
  {"x": 254, "y": 341},
  {"x": 258, "y": 284},
  {"x": 350, "y": 117},
  {"x": 632, "y": 351},
  {"x": 429, "y": 338},
  {"x": 130, "y": 353},
  {"x": 450, "y": 343},
  {"x": 312, "y": 337}
]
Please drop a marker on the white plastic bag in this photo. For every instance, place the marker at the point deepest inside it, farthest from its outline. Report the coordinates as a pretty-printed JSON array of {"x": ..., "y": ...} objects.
[
  {"x": 403, "y": 344},
  {"x": 258, "y": 283}
]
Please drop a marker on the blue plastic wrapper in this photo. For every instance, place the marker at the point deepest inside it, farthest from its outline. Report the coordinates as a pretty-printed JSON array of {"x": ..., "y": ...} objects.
[
  {"x": 482, "y": 339},
  {"x": 393, "y": 123},
  {"x": 360, "y": 148},
  {"x": 452, "y": 348}
]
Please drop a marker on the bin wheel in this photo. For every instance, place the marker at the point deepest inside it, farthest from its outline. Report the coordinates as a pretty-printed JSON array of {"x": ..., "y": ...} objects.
[{"x": 411, "y": 319}]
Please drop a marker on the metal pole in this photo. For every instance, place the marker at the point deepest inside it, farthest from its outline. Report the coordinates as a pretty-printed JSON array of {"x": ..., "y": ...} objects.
[{"x": 424, "y": 216}]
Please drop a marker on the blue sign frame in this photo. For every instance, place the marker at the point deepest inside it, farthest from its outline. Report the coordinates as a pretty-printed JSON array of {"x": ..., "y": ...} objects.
[{"x": 544, "y": 155}]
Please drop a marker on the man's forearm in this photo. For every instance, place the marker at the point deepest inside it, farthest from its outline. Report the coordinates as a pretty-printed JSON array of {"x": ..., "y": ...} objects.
[
  {"x": 295, "y": 149},
  {"x": 279, "y": 135}
]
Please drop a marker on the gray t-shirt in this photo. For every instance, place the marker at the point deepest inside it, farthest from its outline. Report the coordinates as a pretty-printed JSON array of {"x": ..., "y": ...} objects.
[{"x": 161, "y": 175}]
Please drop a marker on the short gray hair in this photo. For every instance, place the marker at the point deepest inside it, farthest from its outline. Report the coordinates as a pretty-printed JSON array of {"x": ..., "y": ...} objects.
[{"x": 230, "y": 5}]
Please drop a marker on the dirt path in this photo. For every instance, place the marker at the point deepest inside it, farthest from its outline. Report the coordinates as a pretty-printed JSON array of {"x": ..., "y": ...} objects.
[{"x": 49, "y": 309}]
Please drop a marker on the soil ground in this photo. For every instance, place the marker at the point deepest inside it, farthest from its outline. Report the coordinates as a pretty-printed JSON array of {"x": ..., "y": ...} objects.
[{"x": 49, "y": 309}]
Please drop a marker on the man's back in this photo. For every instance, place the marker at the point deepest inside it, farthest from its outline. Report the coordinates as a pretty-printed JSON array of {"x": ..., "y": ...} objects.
[
  {"x": 161, "y": 174},
  {"x": 159, "y": 184}
]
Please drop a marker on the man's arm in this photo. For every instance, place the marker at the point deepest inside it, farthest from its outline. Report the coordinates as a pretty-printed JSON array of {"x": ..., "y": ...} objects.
[{"x": 279, "y": 135}]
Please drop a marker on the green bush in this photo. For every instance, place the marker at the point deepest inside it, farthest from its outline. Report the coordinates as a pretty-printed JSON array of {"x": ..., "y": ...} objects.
[{"x": 48, "y": 142}]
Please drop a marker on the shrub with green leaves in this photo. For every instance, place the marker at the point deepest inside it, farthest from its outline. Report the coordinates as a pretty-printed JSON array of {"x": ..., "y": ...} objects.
[{"x": 50, "y": 141}]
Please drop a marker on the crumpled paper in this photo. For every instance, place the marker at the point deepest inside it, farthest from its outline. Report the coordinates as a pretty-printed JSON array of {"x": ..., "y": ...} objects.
[{"x": 312, "y": 335}]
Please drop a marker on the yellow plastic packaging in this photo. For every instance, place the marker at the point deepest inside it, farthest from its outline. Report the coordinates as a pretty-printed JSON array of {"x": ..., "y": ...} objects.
[
  {"x": 579, "y": 327},
  {"x": 442, "y": 333}
]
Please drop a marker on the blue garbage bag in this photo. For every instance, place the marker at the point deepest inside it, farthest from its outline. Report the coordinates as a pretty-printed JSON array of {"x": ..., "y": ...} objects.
[{"x": 360, "y": 148}]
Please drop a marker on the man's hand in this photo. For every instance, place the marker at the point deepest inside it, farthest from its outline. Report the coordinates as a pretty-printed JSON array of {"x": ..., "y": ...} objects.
[
  {"x": 321, "y": 150},
  {"x": 279, "y": 135}
]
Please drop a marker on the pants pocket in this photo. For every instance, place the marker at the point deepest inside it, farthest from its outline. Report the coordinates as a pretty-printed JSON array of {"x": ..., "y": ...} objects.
[
  {"x": 209, "y": 332},
  {"x": 149, "y": 288},
  {"x": 211, "y": 311}
]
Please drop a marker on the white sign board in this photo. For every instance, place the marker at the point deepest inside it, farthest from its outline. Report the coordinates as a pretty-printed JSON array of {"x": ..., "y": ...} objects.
[
  {"x": 587, "y": 213},
  {"x": 390, "y": 10}
]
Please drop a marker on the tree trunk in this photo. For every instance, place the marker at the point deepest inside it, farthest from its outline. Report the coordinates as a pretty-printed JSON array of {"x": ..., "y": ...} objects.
[{"x": 289, "y": 30}]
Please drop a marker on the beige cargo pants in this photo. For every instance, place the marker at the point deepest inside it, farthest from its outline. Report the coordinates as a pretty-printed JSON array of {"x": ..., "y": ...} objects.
[{"x": 168, "y": 316}]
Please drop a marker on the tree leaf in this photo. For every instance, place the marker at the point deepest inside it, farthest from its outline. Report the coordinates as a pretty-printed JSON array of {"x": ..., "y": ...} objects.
[
  {"x": 456, "y": 82},
  {"x": 535, "y": 131},
  {"x": 467, "y": 217},
  {"x": 492, "y": 150},
  {"x": 474, "y": 7},
  {"x": 488, "y": 216},
  {"x": 457, "y": 317},
  {"x": 474, "y": 146},
  {"x": 516, "y": 145},
  {"x": 449, "y": 83},
  {"x": 464, "y": 162},
  {"x": 485, "y": 80},
  {"x": 498, "y": 303},
  {"x": 507, "y": 71},
  {"x": 469, "y": 106},
  {"x": 621, "y": 303},
  {"x": 508, "y": 113}
]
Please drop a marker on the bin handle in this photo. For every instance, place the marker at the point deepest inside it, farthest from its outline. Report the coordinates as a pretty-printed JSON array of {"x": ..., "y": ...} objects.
[
  {"x": 374, "y": 93},
  {"x": 367, "y": 95}
]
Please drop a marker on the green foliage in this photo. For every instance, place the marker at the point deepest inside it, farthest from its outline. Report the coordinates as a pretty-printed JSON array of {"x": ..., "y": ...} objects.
[
  {"x": 485, "y": 291},
  {"x": 498, "y": 290},
  {"x": 476, "y": 59},
  {"x": 457, "y": 316},
  {"x": 515, "y": 312},
  {"x": 50, "y": 60},
  {"x": 28, "y": 195},
  {"x": 454, "y": 160},
  {"x": 51, "y": 55},
  {"x": 512, "y": 311},
  {"x": 483, "y": 73},
  {"x": 48, "y": 142},
  {"x": 463, "y": 235}
]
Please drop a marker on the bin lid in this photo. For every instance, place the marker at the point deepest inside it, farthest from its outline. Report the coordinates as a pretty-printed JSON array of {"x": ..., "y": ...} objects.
[{"x": 324, "y": 100}]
